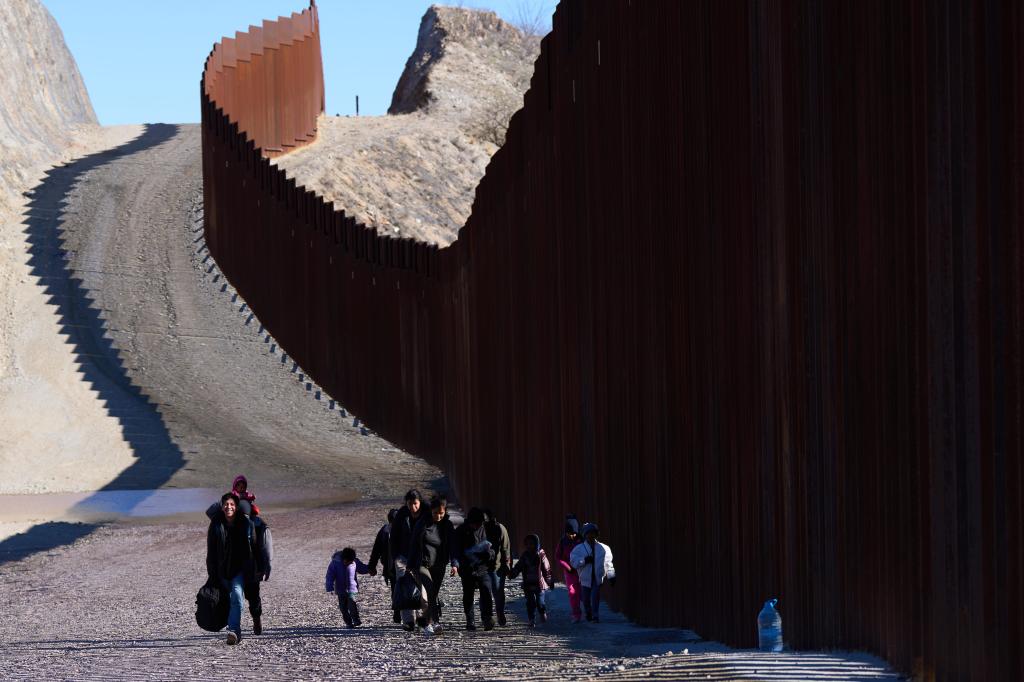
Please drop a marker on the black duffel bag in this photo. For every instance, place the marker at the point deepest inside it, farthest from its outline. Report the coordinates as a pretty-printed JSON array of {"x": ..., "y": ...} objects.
[
  {"x": 212, "y": 607},
  {"x": 408, "y": 593}
]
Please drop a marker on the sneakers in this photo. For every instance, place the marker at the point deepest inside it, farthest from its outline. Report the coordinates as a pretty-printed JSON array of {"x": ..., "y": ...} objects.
[
  {"x": 257, "y": 625},
  {"x": 408, "y": 627},
  {"x": 576, "y": 619},
  {"x": 233, "y": 637},
  {"x": 429, "y": 630},
  {"x": 543, "y": 616}
]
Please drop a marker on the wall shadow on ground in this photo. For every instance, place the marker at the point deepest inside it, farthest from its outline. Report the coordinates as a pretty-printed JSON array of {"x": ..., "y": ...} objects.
[
  {"x": 41, "y": 538},
  {"x": 157, "y": 457}
]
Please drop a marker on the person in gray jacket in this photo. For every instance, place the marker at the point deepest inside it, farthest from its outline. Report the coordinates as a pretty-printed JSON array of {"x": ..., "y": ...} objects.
[{"x": 497, "y": 535}]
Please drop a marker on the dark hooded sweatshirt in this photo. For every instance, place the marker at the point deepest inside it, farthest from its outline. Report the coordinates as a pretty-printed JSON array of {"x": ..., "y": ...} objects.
[
  {"x": 464, "y": 539},
  {"x": 380, "y": 552}
]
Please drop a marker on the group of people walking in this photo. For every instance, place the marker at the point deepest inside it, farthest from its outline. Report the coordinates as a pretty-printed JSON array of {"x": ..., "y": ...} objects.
[
  {"x": 420, "y": 545},
  {"x": 417, "y": 549}
]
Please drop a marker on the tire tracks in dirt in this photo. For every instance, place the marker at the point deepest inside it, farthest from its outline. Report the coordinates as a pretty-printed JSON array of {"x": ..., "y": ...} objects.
[{"x": 169, "y": 339}]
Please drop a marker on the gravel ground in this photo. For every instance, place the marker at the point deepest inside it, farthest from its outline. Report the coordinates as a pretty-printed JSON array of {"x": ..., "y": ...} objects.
[{"x": 119, "y": 603}]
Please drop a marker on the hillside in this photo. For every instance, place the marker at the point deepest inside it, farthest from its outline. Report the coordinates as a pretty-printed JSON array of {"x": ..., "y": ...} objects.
[
  {"x": 44, "y": 96},
  {"x": 413, "y": 173}
]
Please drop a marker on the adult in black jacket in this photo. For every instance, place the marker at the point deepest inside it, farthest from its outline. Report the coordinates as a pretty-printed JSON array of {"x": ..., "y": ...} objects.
[
  {"x": 399, "y": 543},
  {"x": 236, "y": 562},
  {"x": 263, "y": 549},
  {"x": 429, "y": 554},
  {"x": 380, "y": 553},
  {"x": 473, "y": 558}
]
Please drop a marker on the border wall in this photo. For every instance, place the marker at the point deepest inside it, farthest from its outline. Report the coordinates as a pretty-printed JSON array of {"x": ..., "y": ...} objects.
[{"x": 744, "y": 286}]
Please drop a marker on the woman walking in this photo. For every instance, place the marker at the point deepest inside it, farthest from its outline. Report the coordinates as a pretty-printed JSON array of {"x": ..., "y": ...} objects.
[
  {"x": 429, "y": 554},
  {"x": 231, "y": 560},
  {"x": 399, "y": 543}
]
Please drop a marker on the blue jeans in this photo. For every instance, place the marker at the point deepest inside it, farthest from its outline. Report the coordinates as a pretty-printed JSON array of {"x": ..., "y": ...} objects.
[
  {"x": 237, "y": 597},
  {"x": 498, "y": 592},
  {"x": 591, "y": 601},
  {"x": 535, "y": 601}
]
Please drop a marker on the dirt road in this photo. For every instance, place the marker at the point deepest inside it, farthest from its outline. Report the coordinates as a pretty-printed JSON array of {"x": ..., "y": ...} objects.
[{"x": 201, "y": 390}]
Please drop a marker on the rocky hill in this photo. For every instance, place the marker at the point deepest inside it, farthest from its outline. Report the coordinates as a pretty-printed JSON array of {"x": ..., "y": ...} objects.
[
  {"x": 44, "y": 98},
  {"x": 414, "y": 172},
  {"x": 466, "y": 64}
]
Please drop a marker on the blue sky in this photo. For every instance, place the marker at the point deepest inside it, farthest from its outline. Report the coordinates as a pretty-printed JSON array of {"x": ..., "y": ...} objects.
[{"x": 142, "y": 59}]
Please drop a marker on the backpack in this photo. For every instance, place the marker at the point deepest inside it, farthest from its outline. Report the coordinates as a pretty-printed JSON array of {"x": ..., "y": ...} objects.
[
  {"x": 212, "y": 606},
  {"x": 263, "y": 547}
]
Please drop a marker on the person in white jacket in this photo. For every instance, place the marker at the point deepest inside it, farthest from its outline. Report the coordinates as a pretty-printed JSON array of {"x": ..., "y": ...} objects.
[{"x": 593, "y": 563}]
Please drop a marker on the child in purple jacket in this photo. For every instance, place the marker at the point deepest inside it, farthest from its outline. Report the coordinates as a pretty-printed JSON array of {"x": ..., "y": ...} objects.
[{"x": 342, "y": 580}]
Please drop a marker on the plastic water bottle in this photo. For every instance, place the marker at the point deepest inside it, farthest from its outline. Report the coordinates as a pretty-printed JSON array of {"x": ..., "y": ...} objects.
[{"x": 769, "y": 628}]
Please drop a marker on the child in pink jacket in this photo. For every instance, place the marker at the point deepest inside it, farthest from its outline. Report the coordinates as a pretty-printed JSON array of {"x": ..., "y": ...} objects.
[
  {"x": 569, "y": 575},
  {"x": 240, "y": 487}
]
